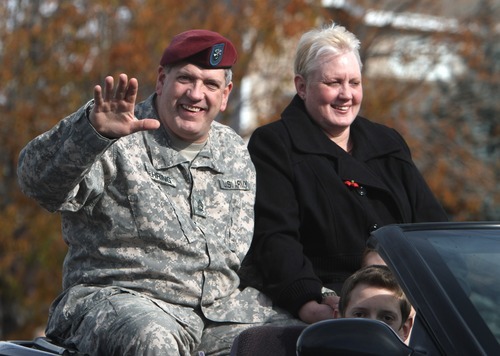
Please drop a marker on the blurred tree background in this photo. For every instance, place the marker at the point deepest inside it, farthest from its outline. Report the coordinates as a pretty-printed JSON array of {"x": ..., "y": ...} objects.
[{"x": 53, "y": 52}]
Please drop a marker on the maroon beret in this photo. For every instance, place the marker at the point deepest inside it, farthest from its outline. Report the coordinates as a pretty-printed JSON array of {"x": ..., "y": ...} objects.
[{"x": 203, "y": 48}]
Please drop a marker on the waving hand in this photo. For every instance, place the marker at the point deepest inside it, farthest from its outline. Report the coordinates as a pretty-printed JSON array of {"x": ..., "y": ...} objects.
[{"x": 113, "y": 112}]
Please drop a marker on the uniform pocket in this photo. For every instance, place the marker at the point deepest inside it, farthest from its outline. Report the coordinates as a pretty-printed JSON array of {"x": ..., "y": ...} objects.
[{"x": 158, "y": 222}]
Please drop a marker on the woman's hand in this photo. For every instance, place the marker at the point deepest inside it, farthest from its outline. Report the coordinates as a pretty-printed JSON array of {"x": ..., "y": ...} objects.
[{"x": 313, "y": 311}]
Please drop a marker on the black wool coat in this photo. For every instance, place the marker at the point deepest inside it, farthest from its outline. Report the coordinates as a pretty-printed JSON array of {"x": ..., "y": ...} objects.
[{"x": 311, "y": 226}]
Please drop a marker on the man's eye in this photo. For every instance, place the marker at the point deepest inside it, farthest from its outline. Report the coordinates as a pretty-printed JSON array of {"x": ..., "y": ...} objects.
[{"x": 212, "y": 85}]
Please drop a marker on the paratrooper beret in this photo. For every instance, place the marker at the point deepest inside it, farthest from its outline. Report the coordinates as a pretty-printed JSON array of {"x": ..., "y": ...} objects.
[{"x": 206, "y": 49}]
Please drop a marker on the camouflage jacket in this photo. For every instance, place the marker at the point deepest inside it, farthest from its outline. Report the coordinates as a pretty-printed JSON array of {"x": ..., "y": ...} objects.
[{"x": 138, "y": 216}]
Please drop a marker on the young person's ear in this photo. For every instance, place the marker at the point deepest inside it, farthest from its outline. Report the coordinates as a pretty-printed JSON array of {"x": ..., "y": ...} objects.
[{"x": 406, "y": 328}]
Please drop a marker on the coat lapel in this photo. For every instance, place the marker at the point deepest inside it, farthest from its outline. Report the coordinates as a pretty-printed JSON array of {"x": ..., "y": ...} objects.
[{"x": 370, "y": 142}]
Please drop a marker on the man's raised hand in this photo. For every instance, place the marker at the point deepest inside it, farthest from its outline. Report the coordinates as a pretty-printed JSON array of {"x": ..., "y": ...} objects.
[{"x": 113, "y": 112}]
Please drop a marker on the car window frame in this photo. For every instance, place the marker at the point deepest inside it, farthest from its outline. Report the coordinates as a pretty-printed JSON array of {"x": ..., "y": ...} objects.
[{"x": 402, "y": 247}]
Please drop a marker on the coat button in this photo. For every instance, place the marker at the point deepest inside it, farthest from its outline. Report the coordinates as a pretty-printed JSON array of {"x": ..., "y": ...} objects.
[{"x": 373, "y": 227}]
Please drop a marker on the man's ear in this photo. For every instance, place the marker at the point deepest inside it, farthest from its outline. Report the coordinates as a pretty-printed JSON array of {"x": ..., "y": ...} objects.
[
  {"x": 225, "y": 96},
  {"x": 160, "y": 79}
]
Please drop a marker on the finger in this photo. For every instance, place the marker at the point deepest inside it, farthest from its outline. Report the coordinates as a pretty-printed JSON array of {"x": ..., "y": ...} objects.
[
  {"x": 332, "y": 301},
  {"x": 108, "y": 88},
  {"x": 121, "y": 89},
  {"x": 132, "y": 90},
  {"x": 98, "y": 96}
]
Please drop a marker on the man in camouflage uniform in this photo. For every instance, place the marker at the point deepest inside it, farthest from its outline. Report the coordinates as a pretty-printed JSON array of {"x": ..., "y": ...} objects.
[{"x": 157, "y": 211}]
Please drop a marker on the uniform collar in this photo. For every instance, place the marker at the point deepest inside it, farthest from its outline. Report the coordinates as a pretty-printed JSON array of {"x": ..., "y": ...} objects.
[
  {"x": 159, "y": 144},
  {"x": 163, "y": 156}
]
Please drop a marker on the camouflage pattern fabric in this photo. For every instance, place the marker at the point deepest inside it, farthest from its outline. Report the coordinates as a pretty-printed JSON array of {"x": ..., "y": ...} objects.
[{"x": 154, "y": 241}]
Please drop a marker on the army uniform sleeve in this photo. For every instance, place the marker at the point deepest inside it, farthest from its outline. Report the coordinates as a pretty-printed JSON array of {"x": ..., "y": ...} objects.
[{"x": 57, "y": 168}]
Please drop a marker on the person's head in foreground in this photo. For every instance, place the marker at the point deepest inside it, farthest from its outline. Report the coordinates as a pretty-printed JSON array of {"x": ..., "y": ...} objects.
[
  {"x": 371, "y": 257},
  {"x": 374, "y": 293}
]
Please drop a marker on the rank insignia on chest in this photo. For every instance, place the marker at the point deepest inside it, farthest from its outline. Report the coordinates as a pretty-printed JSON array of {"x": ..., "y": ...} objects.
[
  {"x": 234, "y": 184},
  {"x": 198, "y": 206}
]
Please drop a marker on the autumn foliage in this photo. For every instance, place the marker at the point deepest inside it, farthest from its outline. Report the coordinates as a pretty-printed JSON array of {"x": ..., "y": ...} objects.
[{"x": 53, "y": 52}]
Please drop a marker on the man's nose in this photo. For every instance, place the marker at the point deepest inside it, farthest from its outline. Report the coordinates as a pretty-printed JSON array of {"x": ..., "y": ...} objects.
[{"x": 196, "y": 91}]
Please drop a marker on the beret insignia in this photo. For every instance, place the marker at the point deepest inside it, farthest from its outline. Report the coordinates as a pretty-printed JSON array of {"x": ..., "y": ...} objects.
[{"x": 216, "y": 54}]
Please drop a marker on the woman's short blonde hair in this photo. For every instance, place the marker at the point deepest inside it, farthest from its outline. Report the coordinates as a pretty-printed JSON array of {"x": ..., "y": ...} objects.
[{"x": 328, "y": 40}]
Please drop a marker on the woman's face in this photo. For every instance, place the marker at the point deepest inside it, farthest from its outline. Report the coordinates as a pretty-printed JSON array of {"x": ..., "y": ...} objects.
[{"x": 332, "y": 92}]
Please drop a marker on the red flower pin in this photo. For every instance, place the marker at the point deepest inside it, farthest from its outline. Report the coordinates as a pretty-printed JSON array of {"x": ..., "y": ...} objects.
[{"x": 351, "y": 183}]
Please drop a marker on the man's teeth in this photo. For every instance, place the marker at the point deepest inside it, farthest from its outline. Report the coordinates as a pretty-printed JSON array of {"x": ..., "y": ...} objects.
[
  {"x": 343, "y": 108},
  {"x": 191, "y": 108}
]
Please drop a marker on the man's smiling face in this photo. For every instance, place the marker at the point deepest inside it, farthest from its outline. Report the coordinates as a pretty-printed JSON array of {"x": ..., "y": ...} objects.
[{"x": 189, "y": 98}]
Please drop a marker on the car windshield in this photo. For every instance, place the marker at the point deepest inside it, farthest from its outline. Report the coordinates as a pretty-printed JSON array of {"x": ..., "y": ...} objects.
[{"x": 474, "y": 259}]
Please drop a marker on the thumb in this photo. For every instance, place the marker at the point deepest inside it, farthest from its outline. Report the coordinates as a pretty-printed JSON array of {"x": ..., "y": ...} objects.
[{"x": 145, "y": 124}]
